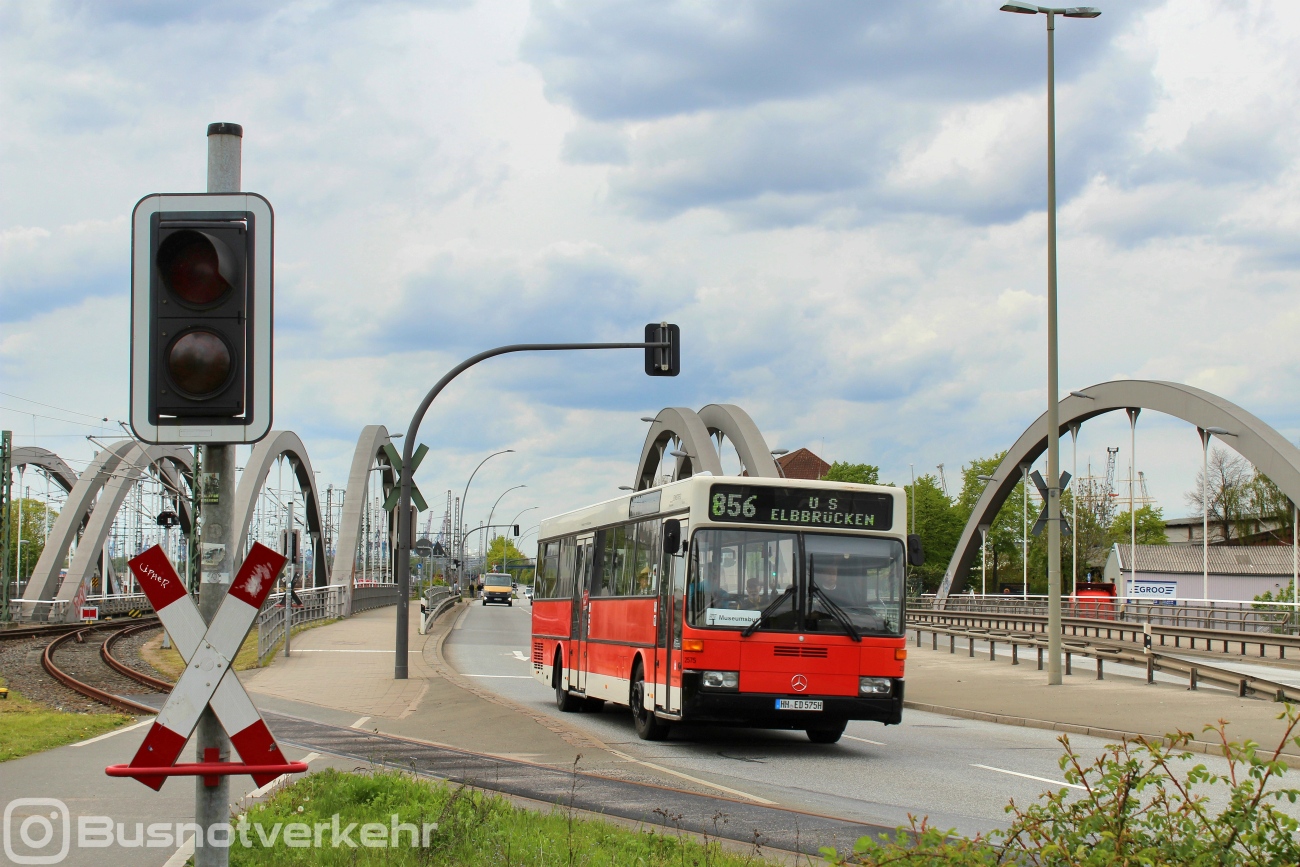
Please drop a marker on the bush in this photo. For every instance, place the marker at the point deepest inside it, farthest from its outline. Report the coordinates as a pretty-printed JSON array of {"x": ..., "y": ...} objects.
[{"x": 1137, "y": 808}]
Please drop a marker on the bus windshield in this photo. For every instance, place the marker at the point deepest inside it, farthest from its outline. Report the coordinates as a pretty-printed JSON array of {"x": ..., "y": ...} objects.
[{"x": 796, "y": 582}]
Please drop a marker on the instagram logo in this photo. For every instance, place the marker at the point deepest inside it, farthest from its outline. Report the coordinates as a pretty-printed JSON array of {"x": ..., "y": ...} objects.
[{"x": 39, "y": 826}]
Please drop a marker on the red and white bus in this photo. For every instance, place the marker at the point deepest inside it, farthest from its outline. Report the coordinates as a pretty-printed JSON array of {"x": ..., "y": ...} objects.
[{"x": 768, "y": 603}]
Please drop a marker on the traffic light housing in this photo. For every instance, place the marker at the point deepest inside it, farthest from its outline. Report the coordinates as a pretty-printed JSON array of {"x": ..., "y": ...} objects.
[
  {"x": 663, "y": 360},
  {"x": 201, "y": 317}
]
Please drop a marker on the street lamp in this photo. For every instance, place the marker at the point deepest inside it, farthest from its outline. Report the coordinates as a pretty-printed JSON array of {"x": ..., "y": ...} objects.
[
  {"x": 777, "y": 453},
  {"x": 984, "y": 545},
  {"x": 465, "y": 495},
  {"x": 1053, "y": 411},
  {"x": 493, "y": 511},
  {"x": 1206, "y": 433}
]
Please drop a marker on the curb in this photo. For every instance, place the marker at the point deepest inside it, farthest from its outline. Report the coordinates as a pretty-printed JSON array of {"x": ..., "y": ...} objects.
[
  {"x": 573, "y": 737},
  {"x": 1206, "y": 747}
]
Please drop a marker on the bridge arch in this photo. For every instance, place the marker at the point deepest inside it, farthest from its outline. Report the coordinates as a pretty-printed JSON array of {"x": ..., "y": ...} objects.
[
  {"x": 1253, "y": 438},
  {"x": 136, "y": 460},
  {"x": 76, "y": 510},
  {"x": 685, "y": 426},
  {"x": 369, "y": 455},
  {"x": 52, "y": 464},
  {"x": 275, "y": 445},
  {"x": 752, "y": 449}
]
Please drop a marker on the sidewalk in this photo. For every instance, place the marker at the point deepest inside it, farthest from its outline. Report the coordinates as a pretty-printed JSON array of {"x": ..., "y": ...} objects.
[
  {"x": 347, "y": 667},
  {"x": 1122, "y": 704}
]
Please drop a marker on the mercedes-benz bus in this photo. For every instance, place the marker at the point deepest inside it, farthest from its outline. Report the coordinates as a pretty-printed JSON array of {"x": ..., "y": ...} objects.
[{"x": 772, "y": 603}]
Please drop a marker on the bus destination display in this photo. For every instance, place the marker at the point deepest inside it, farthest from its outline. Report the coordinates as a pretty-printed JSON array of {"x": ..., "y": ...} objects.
[{"x": 803, "y": 507}]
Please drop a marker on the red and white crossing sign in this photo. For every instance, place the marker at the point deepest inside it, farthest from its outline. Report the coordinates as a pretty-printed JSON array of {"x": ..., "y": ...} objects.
[{"x": 209, "y": 651}]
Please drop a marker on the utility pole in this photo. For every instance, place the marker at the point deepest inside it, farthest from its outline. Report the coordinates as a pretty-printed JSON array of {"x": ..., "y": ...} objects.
[{"x": 212, "y": 803}]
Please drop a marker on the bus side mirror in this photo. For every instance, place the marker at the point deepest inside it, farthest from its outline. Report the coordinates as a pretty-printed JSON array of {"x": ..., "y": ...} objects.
[
  {"x": 915, "y": 556},
  {"x": 672, "y": 536}
]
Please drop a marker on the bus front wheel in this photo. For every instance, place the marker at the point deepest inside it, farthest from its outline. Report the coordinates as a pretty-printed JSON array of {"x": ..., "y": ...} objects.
[
  {"x": 566, "y": 701},
  {"x": 648, "y": 726},
  {"x": 826, "y": 735}
]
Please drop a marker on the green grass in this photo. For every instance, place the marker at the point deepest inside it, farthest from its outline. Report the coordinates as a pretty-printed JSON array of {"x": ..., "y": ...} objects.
[
  {"x": 27, "y": 727},
  {"x": 169, "y": 662},
  {"x": 473, "y": 829}
]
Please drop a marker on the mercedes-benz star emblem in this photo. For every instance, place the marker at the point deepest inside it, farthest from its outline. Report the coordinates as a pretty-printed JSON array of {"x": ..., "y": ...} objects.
[{"x": 799, "y": 683}]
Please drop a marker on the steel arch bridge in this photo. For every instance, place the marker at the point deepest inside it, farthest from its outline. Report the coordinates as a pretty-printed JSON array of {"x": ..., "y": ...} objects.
[
  {"x": 96, "y": 496},
  {"x": 1253, "y": 438},
  {"x": 696, "y": 432}
]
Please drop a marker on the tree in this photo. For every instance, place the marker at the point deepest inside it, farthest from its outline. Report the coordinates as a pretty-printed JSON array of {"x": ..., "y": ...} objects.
[
  {"x": 502, "y": 554},
  {"x": 858, "y": 474},
  {"x": 1150, "y": 527},
  {"x": 939, "y": 525},
  {"x": 1242, "y": 500},
  {"x": 1004, "y": 530},
  {"x": 22, "y": 559}
]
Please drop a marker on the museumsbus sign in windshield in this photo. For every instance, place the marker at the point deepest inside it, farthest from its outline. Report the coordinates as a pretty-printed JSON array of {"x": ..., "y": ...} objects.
[{"x": 773, "y": 603}]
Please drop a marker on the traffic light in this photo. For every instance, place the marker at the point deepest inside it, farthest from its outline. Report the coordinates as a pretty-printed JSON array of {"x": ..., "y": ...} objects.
[
  {"x": 201, "y": 312},
  {"x": 663, "y": 360}
]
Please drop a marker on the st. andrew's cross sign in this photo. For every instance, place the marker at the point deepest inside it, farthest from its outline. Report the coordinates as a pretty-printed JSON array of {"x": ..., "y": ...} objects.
[{"x": 209, "y": 650}]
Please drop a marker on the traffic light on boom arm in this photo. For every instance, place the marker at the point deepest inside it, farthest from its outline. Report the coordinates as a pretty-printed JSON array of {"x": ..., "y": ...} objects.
[
  {"x": 201, "y": 318},
  {"x": 663, "y": 360}
]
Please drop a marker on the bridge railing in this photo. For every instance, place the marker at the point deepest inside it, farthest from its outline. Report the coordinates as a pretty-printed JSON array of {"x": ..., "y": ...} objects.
[
  {"x": 434, "y": 602},
  {"x": 1222, "y": 614},
  {"x": 318, "y": 603}
]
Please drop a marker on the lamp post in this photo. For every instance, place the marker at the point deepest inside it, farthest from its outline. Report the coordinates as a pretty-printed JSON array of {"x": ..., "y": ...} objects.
[
  {"x": 984, "y": 546},
  {"x": 493, "y": 511},
  {"x": 1053, "y": 411},
  {"x": 464, "y": 496},
  {"x": 778, "y": 454},
  {"x": 1206, "y": 433}
]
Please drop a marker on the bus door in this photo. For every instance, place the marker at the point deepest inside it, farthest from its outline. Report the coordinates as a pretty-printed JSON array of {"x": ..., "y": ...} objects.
[
  {"x": 582, "y": 572},
  {"x": 672, "y": 588}
]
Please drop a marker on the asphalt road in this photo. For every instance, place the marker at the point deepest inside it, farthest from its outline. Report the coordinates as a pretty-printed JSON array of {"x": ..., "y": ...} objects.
[{"x": 961, "y": 773}]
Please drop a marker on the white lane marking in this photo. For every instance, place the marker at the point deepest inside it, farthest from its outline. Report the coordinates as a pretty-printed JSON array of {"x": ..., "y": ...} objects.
[
  {"x": 1029, "y": 777},
  {"x": 113, "y": 733},
  {"x": 737, "y": 792},
  {"x": 359, "y": 723},
  {"x": 502, "y": 676},
  {"x": 181, "y": 855},
  {"x": 257, "y": 793},
  {"x": 521, "y": 656},
  {"x": 865, "y": 741}
]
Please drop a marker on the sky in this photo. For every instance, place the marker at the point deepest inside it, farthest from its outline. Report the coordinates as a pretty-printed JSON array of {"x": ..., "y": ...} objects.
[{"x": 842, "y": 204}]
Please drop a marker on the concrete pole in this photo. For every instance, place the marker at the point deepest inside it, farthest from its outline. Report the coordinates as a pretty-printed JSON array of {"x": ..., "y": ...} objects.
[
  {"x": 1024, "y": 528},
  {"x": 212, "y": 804},
  {"x": 1053, "y": 505},
  {"x": 1132, "y": 480},
  {"x": 1295, "y": 560},
  {"x": 1205, "y": 513}
]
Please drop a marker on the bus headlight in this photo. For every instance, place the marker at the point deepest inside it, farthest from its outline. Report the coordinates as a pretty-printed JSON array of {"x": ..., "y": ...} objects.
[
  {"x": 875, "y": 686},
  {"x": 720, "y": 680}
]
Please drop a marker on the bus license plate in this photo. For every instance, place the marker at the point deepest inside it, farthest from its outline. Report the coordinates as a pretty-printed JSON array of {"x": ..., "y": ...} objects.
[{"x": 798, "y": 704}]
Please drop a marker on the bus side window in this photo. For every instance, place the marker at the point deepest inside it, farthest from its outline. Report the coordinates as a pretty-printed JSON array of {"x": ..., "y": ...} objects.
[
  {"x": 549, "y": 572},
  {"x": 564, "y": 587}
]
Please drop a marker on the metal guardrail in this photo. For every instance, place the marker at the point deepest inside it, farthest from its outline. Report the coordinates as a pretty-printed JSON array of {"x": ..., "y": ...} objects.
[
  {"x": 1191, "y": 638},
  {"x": 1099, "y": 650},
  {"x": 1280, "y": 617},
  {"x": 435, "y": 601},
  {"x": 373, "y": 596},
  {"x": 318, "y": 603}
]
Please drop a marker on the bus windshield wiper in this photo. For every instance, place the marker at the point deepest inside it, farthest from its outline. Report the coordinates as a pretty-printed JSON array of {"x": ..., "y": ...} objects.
[
  {"x": 832, "y": 608},
  {"x": 767, "y": 612}
]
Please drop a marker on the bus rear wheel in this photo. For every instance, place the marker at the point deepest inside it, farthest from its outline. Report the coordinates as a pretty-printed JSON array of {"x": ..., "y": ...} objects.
[
  {"x": 648, "y": 726},
  {"x": 826, "y": 734}
]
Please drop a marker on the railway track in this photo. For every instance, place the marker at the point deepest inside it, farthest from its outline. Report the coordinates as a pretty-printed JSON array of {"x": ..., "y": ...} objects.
[{"x": 82, "y": 659}]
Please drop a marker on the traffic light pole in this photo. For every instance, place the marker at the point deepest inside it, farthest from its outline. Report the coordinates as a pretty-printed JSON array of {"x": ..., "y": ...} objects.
[
  {"x": 408, "y": 447},
  {"x": 217, "y": 549}
]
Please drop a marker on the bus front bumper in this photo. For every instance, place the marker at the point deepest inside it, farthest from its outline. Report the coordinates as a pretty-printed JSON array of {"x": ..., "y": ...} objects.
[{"x": 759, "y": 710}]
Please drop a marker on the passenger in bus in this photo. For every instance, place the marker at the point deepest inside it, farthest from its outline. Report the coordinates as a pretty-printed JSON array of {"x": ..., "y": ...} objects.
[{"x": 754, "y": 597}]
